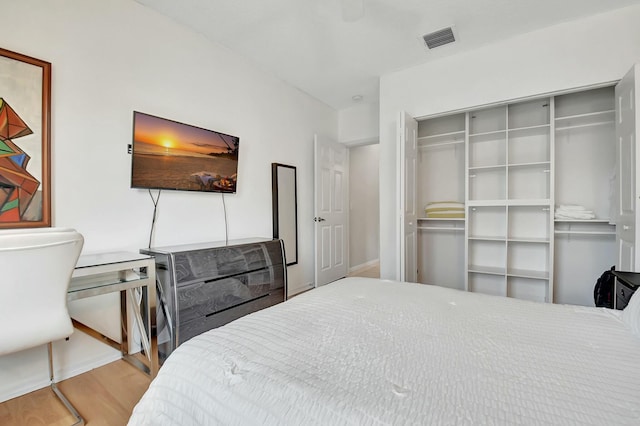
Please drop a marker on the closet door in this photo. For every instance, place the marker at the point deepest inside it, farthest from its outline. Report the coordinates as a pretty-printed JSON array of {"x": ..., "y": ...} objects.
[
  {"x": 408, "y": 133},
  {"x": 627, "y": 157}
]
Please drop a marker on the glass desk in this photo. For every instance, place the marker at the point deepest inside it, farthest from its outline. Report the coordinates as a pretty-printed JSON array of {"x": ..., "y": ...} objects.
[{"x": 134, "y": 276}]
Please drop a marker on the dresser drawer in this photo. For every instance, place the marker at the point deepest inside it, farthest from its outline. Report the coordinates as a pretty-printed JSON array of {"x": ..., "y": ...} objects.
[
  {"x": 207, "y": 264},
  {"x": 205, "y": 298},
  {"x": 624, "y": 292},
  {"x": 189, "y": 329}
]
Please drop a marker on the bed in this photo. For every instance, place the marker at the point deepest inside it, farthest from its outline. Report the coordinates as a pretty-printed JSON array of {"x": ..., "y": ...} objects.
[{"x": 368, "y": 351}]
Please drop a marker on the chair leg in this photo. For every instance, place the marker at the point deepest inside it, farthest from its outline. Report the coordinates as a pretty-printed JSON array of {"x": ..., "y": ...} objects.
[{"x": 59, "y": 394}]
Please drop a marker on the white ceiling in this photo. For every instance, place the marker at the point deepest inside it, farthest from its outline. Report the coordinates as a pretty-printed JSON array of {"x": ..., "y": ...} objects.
[{"x": 310, "y": 45}]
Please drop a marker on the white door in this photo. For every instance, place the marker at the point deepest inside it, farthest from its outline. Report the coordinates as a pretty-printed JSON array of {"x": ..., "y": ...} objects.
[
  {"x": 627, "y": 157},
  {"x": 408, "y": 232},
  {"x": 331, "y": 167}
]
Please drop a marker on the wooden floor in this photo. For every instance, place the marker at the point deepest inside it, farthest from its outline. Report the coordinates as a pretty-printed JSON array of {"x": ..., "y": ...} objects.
[
  {"x": 104, "y": 396},
  {"x": 372, "y": 271}
]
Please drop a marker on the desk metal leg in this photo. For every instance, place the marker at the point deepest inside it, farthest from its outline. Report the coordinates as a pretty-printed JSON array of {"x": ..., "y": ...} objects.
[
  {"x": 147, "y": 363},
  {"x": 124, "y": 324}
]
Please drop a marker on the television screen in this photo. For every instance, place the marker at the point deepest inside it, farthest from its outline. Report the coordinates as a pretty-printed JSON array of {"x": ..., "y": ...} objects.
[{"x": 172, "y": 155}]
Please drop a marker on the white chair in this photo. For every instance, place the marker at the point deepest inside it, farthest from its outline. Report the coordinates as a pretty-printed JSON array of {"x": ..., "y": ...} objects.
[{"x": 36, "y": 267}]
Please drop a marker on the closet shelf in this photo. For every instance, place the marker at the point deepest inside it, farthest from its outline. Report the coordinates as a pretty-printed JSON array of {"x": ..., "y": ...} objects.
[
  {"x": 563, "y": 232},
  {"x": 524, "y": 273},
  {"x": 542, "y": 202},
  {"x": 535, "y": 163},
  {"x": 502, "y": 166},
  {"x": 511, "y": 272},
  {"x": 529, "y": 240},
  {"x": 493, "y": 132},
  {"x": 494, "y": 166},
  {"x": 487, "y": 203},
  {"x": 539, "y": 126},
  {"x": 589, "y": 114},
  {"x": 584, "y": 221},
  {"x": 439, "y": 228},
  {"x": 578, "y": 126},
  {"x": 445, "y": 219},
  {"x": 440, "y": 144},
  {"x": 489, "y": 270},
  {"x": 487, "y": 238},
  {"x": 441, "y": 135}
]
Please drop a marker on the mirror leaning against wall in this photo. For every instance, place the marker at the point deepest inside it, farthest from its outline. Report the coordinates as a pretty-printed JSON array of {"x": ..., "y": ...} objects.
[{"x": 285, "y": 209}]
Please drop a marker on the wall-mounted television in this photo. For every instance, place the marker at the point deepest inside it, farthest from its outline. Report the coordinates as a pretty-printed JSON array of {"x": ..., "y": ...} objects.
[{"x": 167, "y": 154}]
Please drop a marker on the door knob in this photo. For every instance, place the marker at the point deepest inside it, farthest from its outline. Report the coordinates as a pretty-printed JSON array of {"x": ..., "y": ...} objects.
[{"x": 318, "y": 219}]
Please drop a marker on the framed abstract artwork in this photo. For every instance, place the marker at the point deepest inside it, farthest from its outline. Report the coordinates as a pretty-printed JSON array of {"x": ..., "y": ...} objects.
[{"x": 25, "y": 149}]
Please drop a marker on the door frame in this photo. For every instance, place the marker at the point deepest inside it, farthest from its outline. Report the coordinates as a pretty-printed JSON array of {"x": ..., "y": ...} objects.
[{"x": 357, "y": 144}]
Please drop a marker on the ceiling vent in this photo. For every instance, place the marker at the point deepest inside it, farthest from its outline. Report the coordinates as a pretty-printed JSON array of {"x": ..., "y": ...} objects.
[{"x": 439, "y": 38}]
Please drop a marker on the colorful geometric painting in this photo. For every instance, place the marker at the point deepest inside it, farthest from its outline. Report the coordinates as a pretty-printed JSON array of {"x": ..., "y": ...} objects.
[
  {"x": 17, "y": 186},
  {"x": 25, "y": 106}
]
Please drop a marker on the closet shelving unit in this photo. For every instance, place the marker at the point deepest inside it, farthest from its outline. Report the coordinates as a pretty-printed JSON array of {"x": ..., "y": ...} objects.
[
  {"x": 509, "y": 196},
  {"x": 511, "y": 164}
]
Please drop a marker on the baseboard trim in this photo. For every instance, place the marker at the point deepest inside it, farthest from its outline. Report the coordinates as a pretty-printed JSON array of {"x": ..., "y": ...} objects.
[
  {"x": 364, "y": 265},
  {"x": 33, "y": 384},
  {"x": 299, "y": 290}
]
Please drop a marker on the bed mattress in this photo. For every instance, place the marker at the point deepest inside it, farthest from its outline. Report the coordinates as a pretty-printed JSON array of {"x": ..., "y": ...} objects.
[{"x": 367, "y": 351}]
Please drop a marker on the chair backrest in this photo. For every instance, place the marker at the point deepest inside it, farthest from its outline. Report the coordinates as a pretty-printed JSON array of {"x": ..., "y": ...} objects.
[{"x": 35, "y": 271}]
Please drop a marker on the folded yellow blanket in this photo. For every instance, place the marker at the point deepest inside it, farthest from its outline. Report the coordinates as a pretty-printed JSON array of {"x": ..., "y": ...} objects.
[
  {"x": 445, "y": 209},
  {"x": 447, "y": 215}
]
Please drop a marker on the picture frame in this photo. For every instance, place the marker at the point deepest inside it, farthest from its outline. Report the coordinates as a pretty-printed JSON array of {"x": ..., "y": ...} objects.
[{"x": 25, "y": 141}]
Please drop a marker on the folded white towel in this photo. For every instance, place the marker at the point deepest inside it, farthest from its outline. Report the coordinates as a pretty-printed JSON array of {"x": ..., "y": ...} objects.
[
  {"x": 571, "y": 207},
  {"x": 576, "y": 216},
  {"x": 572, "y": 211}
]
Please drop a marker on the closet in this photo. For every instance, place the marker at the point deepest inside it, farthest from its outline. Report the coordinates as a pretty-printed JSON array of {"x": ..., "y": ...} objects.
[
  {"x": 585, "y": 165},
  {"x": 515, "y": 199},
  {"x": 441, "y": 159}
]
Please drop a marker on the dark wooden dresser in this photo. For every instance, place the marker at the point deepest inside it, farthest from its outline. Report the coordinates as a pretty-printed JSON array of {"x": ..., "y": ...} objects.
[
  {"x": 625, "y": 285},
  {"x": 203, "y": 286}
]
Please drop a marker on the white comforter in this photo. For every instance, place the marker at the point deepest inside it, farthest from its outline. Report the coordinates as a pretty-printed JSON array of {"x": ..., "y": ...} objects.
[{"x": 365, "y": 351}]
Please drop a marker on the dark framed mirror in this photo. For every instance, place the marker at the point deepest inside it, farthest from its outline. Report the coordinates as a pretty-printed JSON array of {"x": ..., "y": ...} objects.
[{"x": 284, "y": 192}]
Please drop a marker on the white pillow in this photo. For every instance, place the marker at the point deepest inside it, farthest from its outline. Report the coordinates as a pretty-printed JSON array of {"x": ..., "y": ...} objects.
[{"x": 631, "y": 314}]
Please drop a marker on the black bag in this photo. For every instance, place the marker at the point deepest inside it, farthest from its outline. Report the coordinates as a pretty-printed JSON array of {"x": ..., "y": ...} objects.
[{"x": 603, "y": 291}]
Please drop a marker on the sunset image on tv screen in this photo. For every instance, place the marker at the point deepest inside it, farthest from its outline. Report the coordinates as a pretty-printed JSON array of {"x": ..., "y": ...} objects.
[{"x": 172, "y": 155}]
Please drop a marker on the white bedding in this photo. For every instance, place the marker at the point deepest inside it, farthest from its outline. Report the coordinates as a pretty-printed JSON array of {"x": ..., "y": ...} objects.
[{"x": 366, "y": 351}]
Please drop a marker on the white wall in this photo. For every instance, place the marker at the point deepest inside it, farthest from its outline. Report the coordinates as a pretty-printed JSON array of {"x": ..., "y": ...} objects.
[
  {"x": 108, "y": 59},
  {"x": 593, "y": 50},
  {"x": 364, "y": 202},
  {"x": 359, "y": 124}
]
